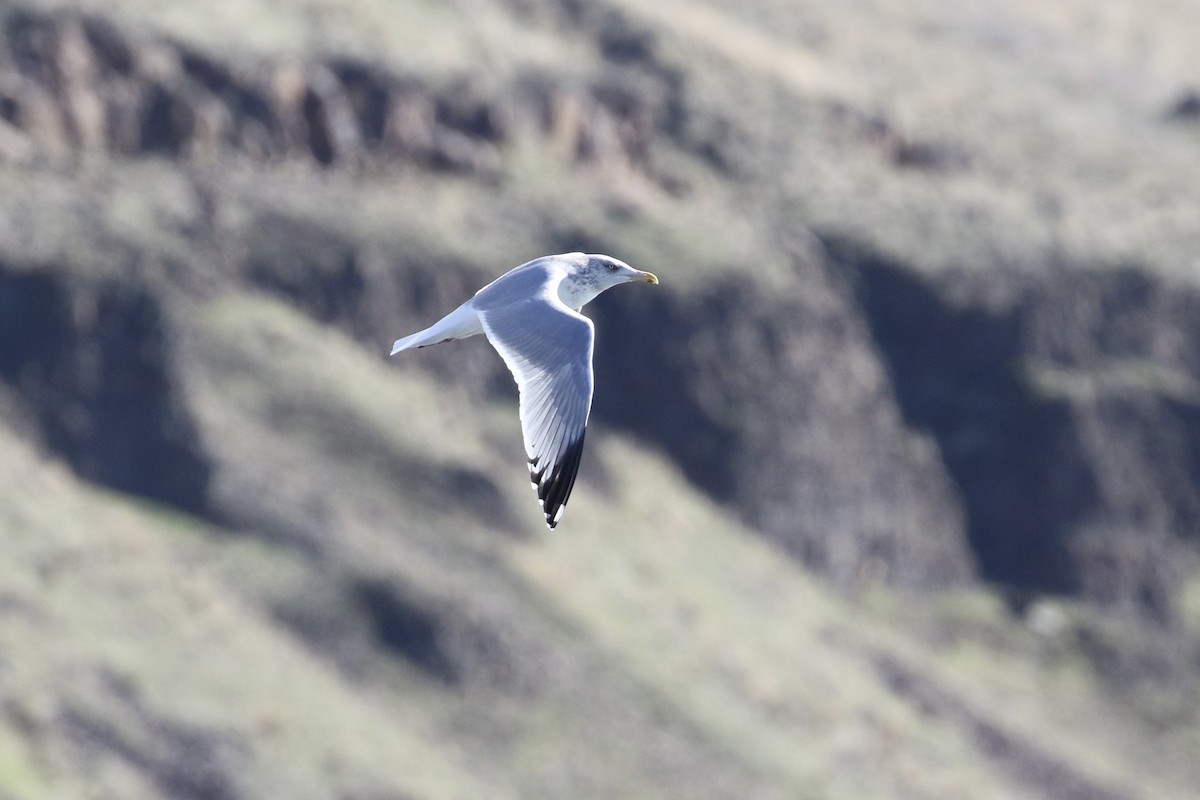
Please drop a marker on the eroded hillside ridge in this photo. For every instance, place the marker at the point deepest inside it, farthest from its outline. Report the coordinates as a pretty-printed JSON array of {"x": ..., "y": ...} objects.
[
  {"x": 880, "y": 424},
  {"x": 76, "y": 82}
]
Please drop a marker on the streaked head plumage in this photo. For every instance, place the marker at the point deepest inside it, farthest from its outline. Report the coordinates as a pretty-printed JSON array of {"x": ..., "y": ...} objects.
[{"x": 589, "y": 274}]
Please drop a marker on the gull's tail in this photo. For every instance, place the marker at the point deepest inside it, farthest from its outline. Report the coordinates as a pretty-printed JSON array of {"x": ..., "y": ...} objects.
[
  {"x": 409, "y": 341},
  {"x": 458, "y": 324}
]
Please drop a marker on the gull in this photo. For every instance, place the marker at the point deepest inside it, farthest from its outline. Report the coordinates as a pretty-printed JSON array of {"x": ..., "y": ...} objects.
[{"x": 531, "y": 316}]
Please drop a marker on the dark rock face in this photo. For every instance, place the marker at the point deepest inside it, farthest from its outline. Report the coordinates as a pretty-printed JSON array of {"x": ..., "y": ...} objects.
[
  {"x": 1014, "y": 456},
  {"x": 93, "y": 365},
  {"x": 1062, "y": 444},
  {"x": 1122, "y": 350},
  {"x": 1066, "y": 418},
  {"x": 777, "y": 406}
]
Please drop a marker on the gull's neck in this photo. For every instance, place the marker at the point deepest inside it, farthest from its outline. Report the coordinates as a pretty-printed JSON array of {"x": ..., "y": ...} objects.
[{"x": 578, "y": 289}]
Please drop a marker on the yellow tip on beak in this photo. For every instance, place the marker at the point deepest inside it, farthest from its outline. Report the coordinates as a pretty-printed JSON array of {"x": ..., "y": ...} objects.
[{"x": 650, "y": 277}]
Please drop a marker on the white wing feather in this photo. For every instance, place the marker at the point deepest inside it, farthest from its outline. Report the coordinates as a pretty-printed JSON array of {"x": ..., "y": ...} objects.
[{"x": 548, "y": 349}]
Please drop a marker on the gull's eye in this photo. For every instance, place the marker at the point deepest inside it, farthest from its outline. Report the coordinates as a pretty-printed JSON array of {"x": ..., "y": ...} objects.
[{"x": 611, "y": 267}]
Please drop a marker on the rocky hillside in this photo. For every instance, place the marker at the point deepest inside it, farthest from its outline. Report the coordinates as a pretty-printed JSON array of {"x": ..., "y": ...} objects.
[{"x": 893, "y": 489}]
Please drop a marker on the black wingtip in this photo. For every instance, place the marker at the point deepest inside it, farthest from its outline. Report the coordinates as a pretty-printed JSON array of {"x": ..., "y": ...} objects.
[{"x": 556, "y": 489}]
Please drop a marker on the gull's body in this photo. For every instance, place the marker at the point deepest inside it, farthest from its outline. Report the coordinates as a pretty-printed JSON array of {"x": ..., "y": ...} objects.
[{"x": 531, "y": 316}]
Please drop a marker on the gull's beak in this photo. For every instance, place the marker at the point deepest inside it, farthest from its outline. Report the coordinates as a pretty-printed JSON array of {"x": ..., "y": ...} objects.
[{"x": 648, "y": 277}]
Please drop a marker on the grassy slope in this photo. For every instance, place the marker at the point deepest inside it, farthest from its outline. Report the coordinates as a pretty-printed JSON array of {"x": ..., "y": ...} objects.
[
  {"x": 672, "y": 653},
  {"x": 99, "y": 592}
]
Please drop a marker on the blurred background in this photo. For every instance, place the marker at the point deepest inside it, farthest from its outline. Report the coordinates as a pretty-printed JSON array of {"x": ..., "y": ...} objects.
[{"x": 892, "y": 487}]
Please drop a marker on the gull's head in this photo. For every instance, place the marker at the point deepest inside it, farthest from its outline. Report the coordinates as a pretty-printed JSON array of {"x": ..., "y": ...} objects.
[
  {"x": 612, "y": 271},
  {"x": 589, "y": 274}
]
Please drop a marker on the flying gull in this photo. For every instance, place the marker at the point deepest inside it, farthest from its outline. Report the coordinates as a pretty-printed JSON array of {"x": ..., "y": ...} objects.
[{"x": 531, "y": 316}]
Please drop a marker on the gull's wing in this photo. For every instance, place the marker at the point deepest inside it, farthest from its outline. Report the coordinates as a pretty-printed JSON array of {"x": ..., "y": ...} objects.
[{"x": 548, "y": 349}]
